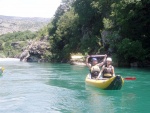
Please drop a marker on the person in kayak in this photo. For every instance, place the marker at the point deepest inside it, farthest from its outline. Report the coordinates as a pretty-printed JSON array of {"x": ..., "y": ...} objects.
[
  {"x": 107, "y": 70},
  {"x": 94, "y": 66}
]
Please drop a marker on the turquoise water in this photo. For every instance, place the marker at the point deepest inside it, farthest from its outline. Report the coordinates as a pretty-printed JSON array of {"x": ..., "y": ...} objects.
[{"x": 60, "y": 88}]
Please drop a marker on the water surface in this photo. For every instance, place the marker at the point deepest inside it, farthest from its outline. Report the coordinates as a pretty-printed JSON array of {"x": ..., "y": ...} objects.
[{"x": 60, "y": 88}]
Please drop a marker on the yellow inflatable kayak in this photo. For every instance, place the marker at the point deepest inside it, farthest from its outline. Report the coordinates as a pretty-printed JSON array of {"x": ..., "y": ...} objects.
[
  {"x": 1, "y": 70},
  {"x": 113, "y": 83}
]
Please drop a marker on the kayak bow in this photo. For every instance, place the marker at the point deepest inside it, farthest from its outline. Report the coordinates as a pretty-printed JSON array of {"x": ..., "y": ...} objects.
[{"x": 113, "y": 83}]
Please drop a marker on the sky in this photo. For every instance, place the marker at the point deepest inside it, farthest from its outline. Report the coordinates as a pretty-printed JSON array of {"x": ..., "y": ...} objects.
[{"x": 29, "y": 8}]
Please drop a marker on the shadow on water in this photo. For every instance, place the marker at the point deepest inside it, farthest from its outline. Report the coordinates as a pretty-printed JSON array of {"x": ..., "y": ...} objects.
[
  {"x": 69, "y": 84},
  {"x": 68, "y": 76}
]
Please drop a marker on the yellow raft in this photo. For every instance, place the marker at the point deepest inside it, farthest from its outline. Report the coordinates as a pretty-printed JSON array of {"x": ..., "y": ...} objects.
[
  {"x": 113, "y": 83},
  {"x": 1, "y": 70}
]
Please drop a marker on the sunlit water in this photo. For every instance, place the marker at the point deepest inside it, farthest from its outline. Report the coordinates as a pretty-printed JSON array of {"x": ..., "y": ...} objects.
[{"x": 60, "y": 88}]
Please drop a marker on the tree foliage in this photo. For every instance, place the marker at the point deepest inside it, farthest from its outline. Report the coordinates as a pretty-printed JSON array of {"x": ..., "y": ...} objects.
[
  {"x": 11, "y": 44},
  {"x": 131, "y": 19},
  {"x": 78, "y": 24}
]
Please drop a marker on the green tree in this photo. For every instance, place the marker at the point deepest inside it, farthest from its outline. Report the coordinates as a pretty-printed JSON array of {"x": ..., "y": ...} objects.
[
  {"x": 131, "y": 19},
  {"x": 131, "y": 50},
  {"x": 8, "y": 41},
  {"x": 66, "y": 38}
]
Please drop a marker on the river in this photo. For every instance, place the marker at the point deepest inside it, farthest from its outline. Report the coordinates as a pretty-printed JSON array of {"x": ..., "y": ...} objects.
[{"x": 60, "y": 88}]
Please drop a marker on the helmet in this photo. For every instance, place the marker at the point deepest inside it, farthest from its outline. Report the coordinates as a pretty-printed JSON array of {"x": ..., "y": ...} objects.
[
  {"x": 109, "y": 59},
  {"x": 94, "y": 59}
]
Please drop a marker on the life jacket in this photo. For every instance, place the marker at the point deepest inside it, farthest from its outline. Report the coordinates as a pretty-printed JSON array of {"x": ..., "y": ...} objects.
[
  {"x": 107, "y": 72},
  {"x": 95, "y": 70}
]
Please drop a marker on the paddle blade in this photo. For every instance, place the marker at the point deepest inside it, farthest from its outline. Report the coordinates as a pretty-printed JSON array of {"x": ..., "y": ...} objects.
[{"x": 130, "y": 78}]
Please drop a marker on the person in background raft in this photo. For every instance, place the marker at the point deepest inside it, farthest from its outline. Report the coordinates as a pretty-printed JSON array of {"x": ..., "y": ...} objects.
[
  {"x": 95, "y": 66},
  {"x": 107, "y": 70}
]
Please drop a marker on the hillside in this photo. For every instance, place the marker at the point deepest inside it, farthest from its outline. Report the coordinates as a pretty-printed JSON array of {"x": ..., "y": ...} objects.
[{"x": 10, "y": 24}]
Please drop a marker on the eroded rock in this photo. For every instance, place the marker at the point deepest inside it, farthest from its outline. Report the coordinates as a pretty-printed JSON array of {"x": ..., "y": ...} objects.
[{"x": 35, "y": 51}]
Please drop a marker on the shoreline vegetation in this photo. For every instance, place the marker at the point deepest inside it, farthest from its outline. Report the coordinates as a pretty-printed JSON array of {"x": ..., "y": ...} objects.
[{"x": 119, "y": 29}]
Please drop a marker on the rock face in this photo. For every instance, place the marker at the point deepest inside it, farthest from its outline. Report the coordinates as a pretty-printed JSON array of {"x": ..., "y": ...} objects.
[
  {"x": 24, "y": 55},
  {"x": 35, "y": 51}
]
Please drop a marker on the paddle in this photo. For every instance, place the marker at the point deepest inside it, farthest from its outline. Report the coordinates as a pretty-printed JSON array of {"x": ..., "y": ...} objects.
[
  {"x": 127, "y": 78},
  {"x": 130, "y": 78},
  {"x": 97, "y": 55}
]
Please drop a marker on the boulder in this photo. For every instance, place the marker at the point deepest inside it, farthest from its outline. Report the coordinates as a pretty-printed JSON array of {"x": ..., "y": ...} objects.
[
  {"x": 35, "y": 51},
  {"x": 24, "y": 55}
]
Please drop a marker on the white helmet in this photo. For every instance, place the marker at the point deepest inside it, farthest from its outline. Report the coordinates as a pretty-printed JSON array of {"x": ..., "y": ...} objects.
[{"x": 109, "y": 59}]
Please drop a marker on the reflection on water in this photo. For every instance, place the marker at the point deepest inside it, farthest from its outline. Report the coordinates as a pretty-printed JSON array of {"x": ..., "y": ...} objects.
[
  {"x": 100, "y": 100},
  {"x": 60, "y": 88}
]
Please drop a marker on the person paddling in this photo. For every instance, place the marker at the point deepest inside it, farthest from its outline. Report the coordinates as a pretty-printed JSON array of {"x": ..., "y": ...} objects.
[
  {"x": 107, "y": 70},
  {"x": 94, "y": 66}
]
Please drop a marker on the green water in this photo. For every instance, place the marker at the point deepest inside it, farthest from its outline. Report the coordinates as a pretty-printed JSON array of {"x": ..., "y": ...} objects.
[{"x": 60, "y": 88}]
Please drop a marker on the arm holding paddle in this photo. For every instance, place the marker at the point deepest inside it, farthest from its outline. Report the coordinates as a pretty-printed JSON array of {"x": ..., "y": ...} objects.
[
  {"x": 99, "y": 64},
  {"x": 100, "y": 74},
  {"x": 102, "y": 63},
  {"x": 87, "y": 64},
  {"x": 109, "y": 69}
]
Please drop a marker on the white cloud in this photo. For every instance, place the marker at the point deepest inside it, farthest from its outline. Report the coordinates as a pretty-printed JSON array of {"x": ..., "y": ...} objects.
[{"x": 29, "y": 8}]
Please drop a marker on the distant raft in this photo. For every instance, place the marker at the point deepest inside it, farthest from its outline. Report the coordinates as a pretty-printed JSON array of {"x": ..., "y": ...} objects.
[
  {"x": 113, "y": 83},
  {"x": 1, "y": 70}
]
